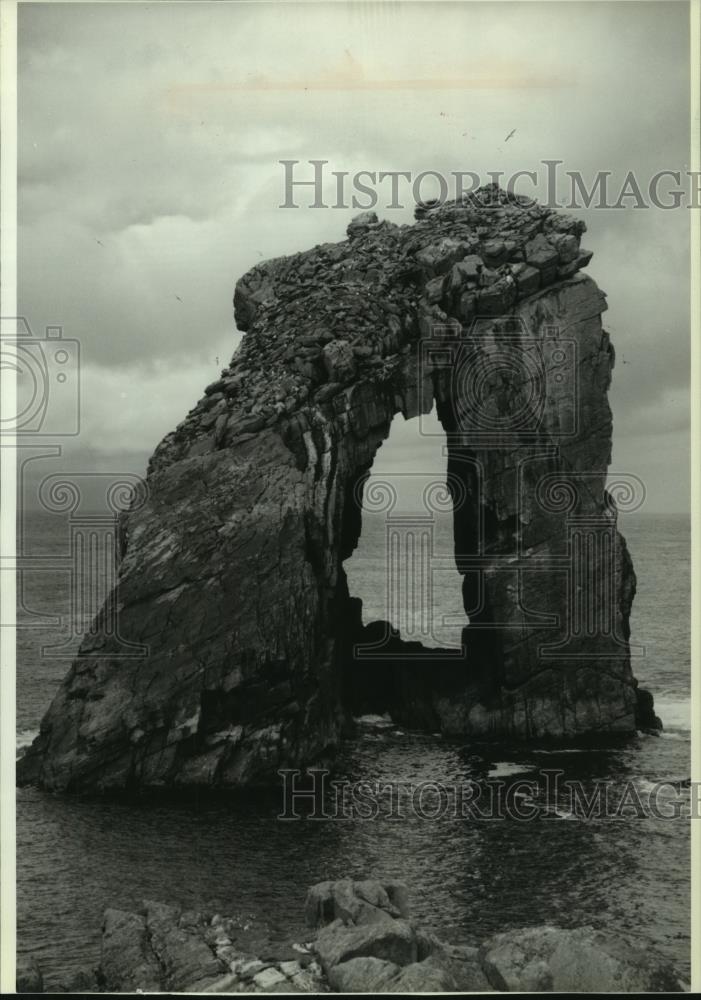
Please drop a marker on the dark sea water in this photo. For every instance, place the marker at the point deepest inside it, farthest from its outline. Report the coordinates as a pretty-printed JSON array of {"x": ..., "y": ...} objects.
[{"x": 468, "y": 876}]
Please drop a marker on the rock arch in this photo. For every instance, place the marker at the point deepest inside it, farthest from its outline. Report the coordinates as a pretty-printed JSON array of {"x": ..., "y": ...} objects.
[{"x": 232, "y": 569}]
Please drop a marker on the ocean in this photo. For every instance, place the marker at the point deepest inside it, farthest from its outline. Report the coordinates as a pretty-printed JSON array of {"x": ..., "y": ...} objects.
[{"x": 468, "y": 876}]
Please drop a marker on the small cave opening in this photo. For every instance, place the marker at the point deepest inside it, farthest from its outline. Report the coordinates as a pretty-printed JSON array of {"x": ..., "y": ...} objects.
[{"x": 404, "y": 644}]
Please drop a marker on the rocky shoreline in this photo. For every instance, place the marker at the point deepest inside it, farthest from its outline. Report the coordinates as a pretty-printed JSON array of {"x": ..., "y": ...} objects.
[{"x": 362, "y": 940}]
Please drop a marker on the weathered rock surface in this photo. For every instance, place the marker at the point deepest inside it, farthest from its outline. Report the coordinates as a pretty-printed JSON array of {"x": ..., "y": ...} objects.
[
  {"x": 164, "y": 948},
  {"x": 368, "y": 944},
  {"x": 391, "y": 940},
  {"x": 356, "y": 902},
  {"x": 127, "y": 959},
  {"x": 573, "y": 961},
  {"x": 383, "y": 953},
  {"x": 374, "y": 947},
  {"x": 232, "y": 579}
]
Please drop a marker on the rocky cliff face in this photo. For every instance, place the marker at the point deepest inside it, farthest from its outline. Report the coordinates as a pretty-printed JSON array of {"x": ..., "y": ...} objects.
[{"x": 232, "y": 571}]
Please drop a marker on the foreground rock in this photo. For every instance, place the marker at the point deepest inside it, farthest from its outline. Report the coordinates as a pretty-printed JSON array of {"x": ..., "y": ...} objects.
[
  {"x": 566, "y": 961},
  {"x": 236, "y": 629},
  {"x": 366, "y": 942},
  {"x": 164, "y": 948}
]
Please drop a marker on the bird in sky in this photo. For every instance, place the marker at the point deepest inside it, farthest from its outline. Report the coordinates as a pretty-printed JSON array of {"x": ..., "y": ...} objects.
[
  {"x": 512, "y": 132},
  {"x": 100, "y": 242},
  {"x": 178, "y": 298}
]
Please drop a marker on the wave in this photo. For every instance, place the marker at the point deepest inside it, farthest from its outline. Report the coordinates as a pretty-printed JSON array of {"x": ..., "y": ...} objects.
[
  {"x": 24, "y": 739},
  {"x": 505, "y": 768},
  {"x": 666, "y": 787},
  {"x": 674, "y": 712},
  {"x": 560, "y": 813},
  {"x": 380, "y": 721}
]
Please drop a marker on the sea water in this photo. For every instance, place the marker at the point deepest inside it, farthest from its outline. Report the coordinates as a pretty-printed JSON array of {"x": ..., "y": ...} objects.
[{"x": 468, "y": 876}]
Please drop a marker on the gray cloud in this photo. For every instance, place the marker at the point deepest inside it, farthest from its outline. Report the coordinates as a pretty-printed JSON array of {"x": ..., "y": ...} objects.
[{"x": 150, "y": 138}]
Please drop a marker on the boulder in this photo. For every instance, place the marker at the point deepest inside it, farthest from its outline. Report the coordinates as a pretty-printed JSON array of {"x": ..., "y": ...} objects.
[
  {"x": 361, "y": 902},
  {"x": 361, "y": 223},
  {"x": 422, "y": 977},
  {"x": 375, "y": 975},
  {"x": 440, "y": 257},
  {"x": 461, "y": 963},
  {"x": 363, "y": 975},
  {"x": 269, "y": 979},
  {"x": 339, "y": 361},
  {"x": 319, "y": 906},
  {"x": 181, "y": 951},
  {"x": 527, "y": 278},
  {"x": 540, "y": 253},
  {"x": 466, "y": 272},
  {"x": 390, "y": 940},
  {"x": 550, "y": 959},
  {"x": 498, "y": 297}
]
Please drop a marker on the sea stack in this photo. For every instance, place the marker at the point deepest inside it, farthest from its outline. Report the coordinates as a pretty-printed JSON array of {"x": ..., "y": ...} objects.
[{"x": 230, "y": 648}]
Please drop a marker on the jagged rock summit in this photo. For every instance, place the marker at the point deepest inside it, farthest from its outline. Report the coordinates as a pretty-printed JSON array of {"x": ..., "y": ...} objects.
[{"x": 233, "y": 650}]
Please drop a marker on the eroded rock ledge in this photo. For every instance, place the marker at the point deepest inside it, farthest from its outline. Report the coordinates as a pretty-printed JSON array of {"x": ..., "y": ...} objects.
[
  {"x": 364, "y": 941},
  {"x": 232, "y": 593}
]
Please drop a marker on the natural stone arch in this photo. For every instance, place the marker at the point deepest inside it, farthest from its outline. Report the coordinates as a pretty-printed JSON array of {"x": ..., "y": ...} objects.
[{"x": 232, "y": 569}]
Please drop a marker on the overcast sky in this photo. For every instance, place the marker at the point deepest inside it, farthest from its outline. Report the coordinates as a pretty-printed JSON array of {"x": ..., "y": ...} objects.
[{"x": 150, "y": 137}]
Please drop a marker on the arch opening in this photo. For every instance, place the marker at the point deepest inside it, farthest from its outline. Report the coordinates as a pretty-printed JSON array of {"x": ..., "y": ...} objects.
[{"x": 404, "y": 644}]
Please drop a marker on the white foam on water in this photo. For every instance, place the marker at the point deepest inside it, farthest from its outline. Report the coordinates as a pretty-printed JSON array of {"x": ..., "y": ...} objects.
[
  {"x": 505, "y": 768},
  {"x": 666, "y": 788},
  {"x": 374, "y": 720},
  {"x": 560, "y": 813},
  {"x": 646, "y": 786},
  {"x": 674, "y": 712},
  {"x": 25, "y": 738}
]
